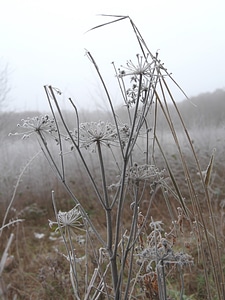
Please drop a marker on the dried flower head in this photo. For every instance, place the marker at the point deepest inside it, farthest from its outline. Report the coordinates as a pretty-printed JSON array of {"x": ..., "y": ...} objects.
[
  {"x": 138, "y": 173},
  {"x": 105, "y": 133},
  {"x": 143, "y": 67},
  {"x": 92, "y": 132},
  {"x": 144, "y": 76},
  {"x": 159, "y": 251},
  {"x": 40, "y": 125},
  {"x": 68, "y": 220}
]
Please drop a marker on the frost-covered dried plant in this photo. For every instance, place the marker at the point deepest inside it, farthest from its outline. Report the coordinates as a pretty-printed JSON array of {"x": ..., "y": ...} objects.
[
  {"x": 69, "y": 223},
  {"x": 132, "y": 92},
  {"x": 144, "y": 173},
  {"x": 143, "y": 76},
  {"x": 40, "y": 125},
  {"x": 145, "y": 66},
  {"x": 104, "y": 133},
  {"x": 157, "y": 257},
  {"x": 110, "y": 253},
  {"x": 71, "y": 219}
]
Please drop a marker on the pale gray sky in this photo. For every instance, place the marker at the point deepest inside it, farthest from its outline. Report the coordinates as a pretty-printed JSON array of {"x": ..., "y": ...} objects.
[{"x": 43, "y": 42}]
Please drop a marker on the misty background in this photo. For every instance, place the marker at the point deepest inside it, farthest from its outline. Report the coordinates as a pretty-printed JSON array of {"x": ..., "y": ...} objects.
[{"x": 44, "y": 42}]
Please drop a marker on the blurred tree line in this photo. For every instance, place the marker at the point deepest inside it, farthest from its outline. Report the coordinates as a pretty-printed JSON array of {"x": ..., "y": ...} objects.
[
  {"x": 202, "y": 111},
  {"x": 209, "y": 110},
  {"x": 206, "y": 110}
]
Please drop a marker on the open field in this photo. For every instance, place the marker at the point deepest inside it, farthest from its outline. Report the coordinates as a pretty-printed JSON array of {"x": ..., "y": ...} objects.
[{"x": 38, "y": 270}]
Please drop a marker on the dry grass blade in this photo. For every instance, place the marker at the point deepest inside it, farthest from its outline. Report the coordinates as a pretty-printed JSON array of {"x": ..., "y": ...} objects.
[
  {"x": 120, "y": 18},
  {"x": 209, "y": 170}
]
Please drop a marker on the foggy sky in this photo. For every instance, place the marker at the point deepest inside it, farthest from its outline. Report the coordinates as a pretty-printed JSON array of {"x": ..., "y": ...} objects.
[{"x": 43, "y": 42}]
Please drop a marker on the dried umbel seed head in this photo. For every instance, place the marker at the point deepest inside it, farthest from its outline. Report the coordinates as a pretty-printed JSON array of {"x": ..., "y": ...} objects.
[
  {"x": 183, "y": 259},
  {"x": 90, "y": 133},
  {"x": 68, "y": 220},
  {"x": 143, "y": 67},
  {"x": 138, "y": 173},
  {"x": 40, "y": 125},
  {"x": 144, "y": 76}
]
